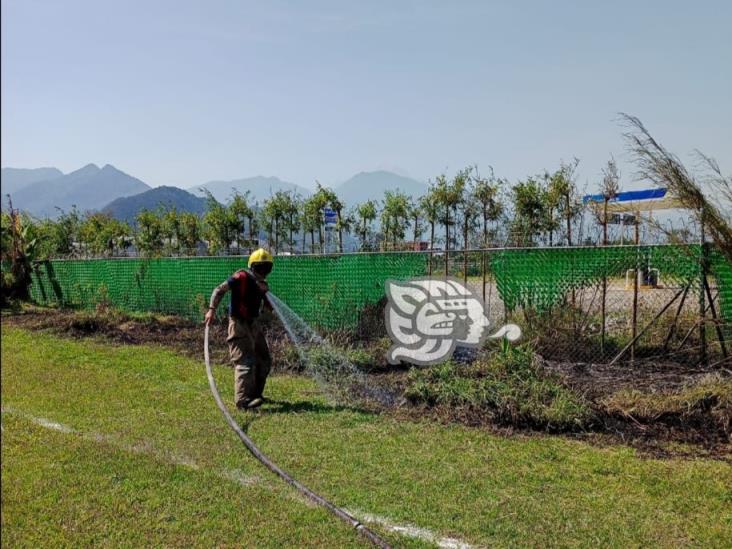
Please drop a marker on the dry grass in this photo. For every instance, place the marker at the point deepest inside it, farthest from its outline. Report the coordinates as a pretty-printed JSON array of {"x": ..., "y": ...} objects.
[{"x": 709, "y": 398}]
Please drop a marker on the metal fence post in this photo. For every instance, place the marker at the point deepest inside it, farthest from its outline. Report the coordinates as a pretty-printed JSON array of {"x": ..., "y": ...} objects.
[{"x": 482, "y": 268}]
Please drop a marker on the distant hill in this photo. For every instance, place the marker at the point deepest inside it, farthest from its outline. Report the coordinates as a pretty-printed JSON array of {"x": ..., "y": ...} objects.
[
  {"x": 89, "y": 188},
  {"x": 372, "y": 185},
  {"x": 259, "y": 187},
  {"x": 40, "y": 191},
  {"x": 126, "y": 208},
  {"x": 14, "y": 179}
]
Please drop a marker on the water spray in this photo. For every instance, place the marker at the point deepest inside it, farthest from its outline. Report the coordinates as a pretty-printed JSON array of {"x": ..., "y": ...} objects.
[
  {"x": 330, "y": 367},
  {"x": 256, "y": 452}
]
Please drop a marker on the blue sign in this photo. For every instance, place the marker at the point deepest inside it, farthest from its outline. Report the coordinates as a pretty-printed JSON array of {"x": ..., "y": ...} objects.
[
  {"x": 627, "y": 196},
  {"x": 330, "y": 216}
]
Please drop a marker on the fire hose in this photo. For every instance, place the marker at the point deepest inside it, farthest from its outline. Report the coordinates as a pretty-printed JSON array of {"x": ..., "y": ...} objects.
[{"x": 269, "y": 464}]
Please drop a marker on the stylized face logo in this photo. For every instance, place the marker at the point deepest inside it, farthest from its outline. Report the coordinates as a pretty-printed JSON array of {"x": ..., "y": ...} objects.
[{"x": 428, "y": 318}]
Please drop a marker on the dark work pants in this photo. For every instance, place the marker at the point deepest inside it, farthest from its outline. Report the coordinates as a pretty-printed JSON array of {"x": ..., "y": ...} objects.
[{"x": 250, "y": 357}]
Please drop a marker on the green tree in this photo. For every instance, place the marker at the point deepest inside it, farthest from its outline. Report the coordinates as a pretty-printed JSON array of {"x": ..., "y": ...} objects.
[
  {"x": 91, "y": 233},
  {"x": 149, "y": 236},
  {"x": 430, "y": 207},
  {"x": 469, "y": 211},
  {"x": 609, "y": 188},
  {"x": 46, "y": 232},
  {"x": 530, "y": 211},
  {"x": 265, "y": 219},
  {"x": 117, "y": 236},
  {"x": 276, "y": 213},
  {"x": 562, "y": 193},
  {"x": 291, "y": 209},
  {"x": 320, "y": 200},
  {"x": 342, "y": 224},
  {"x": 217, "y": 223},
  {"x": 365, "y": 214},
  {"x": 449, "y": 195},
  {"x": 16, "y": 252},
  {"x": 253, "y": 228},
  {"x": 6, "y": 235},
  {"x": 394, "y": 217},
  {"x": 415, "y": 215},
  {"x": 170, "y": 228},
  {"x": 122, "y": 234},
  {"x": 240, "y": 213},
  {"x": 486, "y": 193},
  {"x": 102, "y": 235},
  {"x": 65, "y": 232},
  {"x": 459, "y": 193},
  {"x": 311, "y": 218},
  {"x": 190, "y": 232},
  {"x": 553, "y": 199}
]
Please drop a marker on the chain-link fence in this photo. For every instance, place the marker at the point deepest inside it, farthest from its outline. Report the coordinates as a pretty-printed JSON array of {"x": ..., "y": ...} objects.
[{"x": 580, "y": 304}]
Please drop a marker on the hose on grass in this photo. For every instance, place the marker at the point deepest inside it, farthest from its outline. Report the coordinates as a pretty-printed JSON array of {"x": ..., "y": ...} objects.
[{"x": 269, "y": 464}]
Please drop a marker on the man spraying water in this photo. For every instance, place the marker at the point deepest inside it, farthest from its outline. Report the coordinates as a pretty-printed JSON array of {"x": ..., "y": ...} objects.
[{"x": 248, "y": 348}]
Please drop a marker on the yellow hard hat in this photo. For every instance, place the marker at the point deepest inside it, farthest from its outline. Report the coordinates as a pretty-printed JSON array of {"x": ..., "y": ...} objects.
[{"x": 259, "y": 256}]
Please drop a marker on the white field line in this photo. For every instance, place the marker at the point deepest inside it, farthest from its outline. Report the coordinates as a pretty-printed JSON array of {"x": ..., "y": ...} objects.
[
  {"x": 412, "y": 531},
  {"x": 238, "y": 476},
  {"x": 147, "y": 449}
]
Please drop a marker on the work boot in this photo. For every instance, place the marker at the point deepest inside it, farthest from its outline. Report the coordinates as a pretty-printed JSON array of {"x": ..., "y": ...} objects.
[
  {"x": 243, "y": 404},
  {"x": 255, "y": 403},
  {"x": 245, "y": 382}
]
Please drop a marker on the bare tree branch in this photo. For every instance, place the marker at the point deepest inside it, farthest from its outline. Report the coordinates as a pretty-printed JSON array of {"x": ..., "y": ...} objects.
[{"x": 664, "y": 169}]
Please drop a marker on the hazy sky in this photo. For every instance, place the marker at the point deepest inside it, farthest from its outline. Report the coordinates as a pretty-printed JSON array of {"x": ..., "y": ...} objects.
[{"x": 181, "y": 92}]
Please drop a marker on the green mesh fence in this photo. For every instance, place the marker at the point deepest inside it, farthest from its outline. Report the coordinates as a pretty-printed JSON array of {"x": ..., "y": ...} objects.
[
  {"x": 541, "y": 278},
  {"x": 722, "y": 271},
  {"x": 334, "y": 291},
  {"x": 327, "y": 291}
]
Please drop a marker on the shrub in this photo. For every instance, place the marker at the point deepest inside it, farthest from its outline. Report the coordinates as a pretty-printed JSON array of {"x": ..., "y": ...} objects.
[{"x": 506, "y": 385}]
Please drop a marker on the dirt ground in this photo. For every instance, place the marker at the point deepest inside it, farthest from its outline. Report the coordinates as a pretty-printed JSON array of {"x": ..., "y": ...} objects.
[
  {"x": 672, "y": 435},
  {"x": 599, "y": 380}
]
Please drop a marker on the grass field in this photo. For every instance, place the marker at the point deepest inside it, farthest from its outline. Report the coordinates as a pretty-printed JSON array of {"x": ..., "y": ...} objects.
[{"x": 121, "y": 445}]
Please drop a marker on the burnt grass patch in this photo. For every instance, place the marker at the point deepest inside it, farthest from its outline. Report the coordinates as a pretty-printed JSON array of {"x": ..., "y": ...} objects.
[{"x": 664, "y": 409}]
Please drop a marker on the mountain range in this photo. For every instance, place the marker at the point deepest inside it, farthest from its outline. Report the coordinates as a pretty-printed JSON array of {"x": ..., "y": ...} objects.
[
  {"x": 44, "y": 192},
  {"x": 372, "y": 186},
  {"x": 259, "y": 188},
  {"x": 14, "y": 179},
  {"x": 126, "y": 208},
  {"x": 88, "y": 188}
]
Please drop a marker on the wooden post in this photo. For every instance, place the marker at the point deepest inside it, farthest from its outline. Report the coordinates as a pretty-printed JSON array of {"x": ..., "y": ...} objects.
[
  {"x": 715, "y": 318},
  {"x": 703, "y": 359},
  {"x": 637, "y": 337},
  {"x": 604, "y": 282},
  {"x": 672, "y": 331},
  {"x": 635, "y": 288},
  {"x": 691, "y": 330}
]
